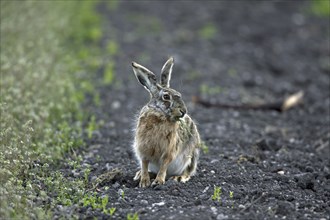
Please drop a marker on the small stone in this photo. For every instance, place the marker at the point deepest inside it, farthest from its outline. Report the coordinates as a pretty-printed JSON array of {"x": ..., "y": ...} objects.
[
  {"x": 281, "y": 172},
  {"x": 116, "y": 105},
  {"x": 171, "y": 202},
  {"x": 214, "y": 210},
  {"x": 212, "y": 171},
  {"x": 241, "y": 206},
  {"x": 206, "y": 188},
  {"x": 75, "y": 173},
  {"x": 111, "y": 124},
  {"x": 204, "y": 196},
  {"x": 144, "y": 202},
  {"x": 86, "y": 165},
  {"x": 158, "y": 204},
  {"x": 120, "y": 192},
  {"x": 298, "y": 19},
  {"x": 222, "y": 216},
  {"x": 175, "y": 192},
  {"x": 116, "y": 185},
  {"x": 108, "y": 167}
]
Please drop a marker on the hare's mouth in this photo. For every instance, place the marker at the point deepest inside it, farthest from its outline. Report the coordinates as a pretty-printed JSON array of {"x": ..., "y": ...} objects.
[{"x": 178, "y": 117}]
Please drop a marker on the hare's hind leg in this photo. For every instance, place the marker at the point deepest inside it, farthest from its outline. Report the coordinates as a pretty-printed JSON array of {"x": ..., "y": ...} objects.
[
  {"x": 183, "y": 178},
  {"x": 190, "y": 170}
]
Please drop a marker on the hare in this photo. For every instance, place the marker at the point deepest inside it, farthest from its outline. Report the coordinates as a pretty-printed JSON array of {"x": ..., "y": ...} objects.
[{"x": 166, "y": 139}]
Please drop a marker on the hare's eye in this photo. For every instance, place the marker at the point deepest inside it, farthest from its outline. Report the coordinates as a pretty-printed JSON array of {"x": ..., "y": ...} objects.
[{"x": 166, "y": 97}]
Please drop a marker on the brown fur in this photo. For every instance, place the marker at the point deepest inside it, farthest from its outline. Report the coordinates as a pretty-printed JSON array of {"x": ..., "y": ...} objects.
[{"x": 159, "y": 139}]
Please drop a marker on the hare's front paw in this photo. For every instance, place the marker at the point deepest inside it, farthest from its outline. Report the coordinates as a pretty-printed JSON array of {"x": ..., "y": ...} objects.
[
  {"x": 158, "y": 181},
  {"x": 144, "y": 181}
]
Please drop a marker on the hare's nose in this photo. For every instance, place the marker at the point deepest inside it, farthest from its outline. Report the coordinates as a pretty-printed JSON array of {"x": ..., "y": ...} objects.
[{"x": 183, "y": 112}]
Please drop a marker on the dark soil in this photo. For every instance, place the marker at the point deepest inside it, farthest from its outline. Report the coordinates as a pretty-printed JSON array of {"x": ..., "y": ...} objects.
[{"x": 276, "y": 164}]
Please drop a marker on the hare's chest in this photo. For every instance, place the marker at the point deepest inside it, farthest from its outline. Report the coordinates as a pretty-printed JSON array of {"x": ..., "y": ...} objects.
[{"x": 155, "y": 138}]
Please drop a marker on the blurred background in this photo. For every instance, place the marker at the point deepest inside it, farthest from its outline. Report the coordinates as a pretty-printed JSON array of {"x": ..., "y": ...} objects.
[
  {"x": 67, "y": 84},
  {"x": 230, "y": 51}
]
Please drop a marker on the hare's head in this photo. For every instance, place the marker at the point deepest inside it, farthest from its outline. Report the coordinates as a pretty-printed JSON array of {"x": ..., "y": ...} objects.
[{"x": 163, "y": 98}]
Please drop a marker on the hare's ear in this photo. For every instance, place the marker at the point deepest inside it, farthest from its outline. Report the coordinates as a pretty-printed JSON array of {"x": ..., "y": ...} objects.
[
  {"x": 166, "y": 73},
  {"x": 145, "y": 77}
]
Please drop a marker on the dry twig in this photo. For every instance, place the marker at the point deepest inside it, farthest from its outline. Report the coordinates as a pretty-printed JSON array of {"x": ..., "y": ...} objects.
[{"x": 280, "y": 106}]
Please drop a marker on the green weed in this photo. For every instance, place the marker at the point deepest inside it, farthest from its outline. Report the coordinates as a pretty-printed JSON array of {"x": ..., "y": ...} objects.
[
  {"x": 146, "y": 26},
  {"x": 110, "y": 211},
  {"x": 98, "y": 203},
  {"x": 210, "y": 90},
  {"x": 75, "y": 164},
  {"x": 231, "y": 196},
  {"x": 193, "y": 75},
  {"x": 123, "y": 194},
  {"x": 232, "y": 72},
  {"x": 320, "y": 7},
  {"x": 204, "y": 148},
  {"x": 112, "y": 47},
  {"x": 217, "y": 193},
  {"x": 87, "y": 171},
  {"x": 91, "y": 127},
  {"x": 67, "y": 192},
  {"x": 208, "y": 31},
  {"x": 43, "y": 82},
  {"x": 131, "y": 216},
  {"x": 108, "y": 74},
  {"x": 112, "y": 5}
]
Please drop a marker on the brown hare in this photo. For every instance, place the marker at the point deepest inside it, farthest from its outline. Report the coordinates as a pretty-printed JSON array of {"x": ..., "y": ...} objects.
[{"x": 166, "y": 139}]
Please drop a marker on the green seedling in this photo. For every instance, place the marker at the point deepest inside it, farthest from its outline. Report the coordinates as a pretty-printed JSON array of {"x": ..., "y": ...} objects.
[
  {"x": 134, "y": 216},
  {"x": 231, "y": 196},
  {"x": 104, "y": 202},
  {"x": 321, "y": 7},
  {"x": 112, "y": 48},
  {"x": 112, "y": 211},
  {"x": 91, "y": 127},
  {"x": 232, "y": 72},
  {"x": 112, "y": 5},
  {"x": 96, "y": 202},
  {"x": 87, "y": 171},
  {"x": 208, "y": 31},
  {"x": 217, "y": 193},
  {"x": 73, "y": 164},
  {"x": 210, "y": 90},
  {"x": 108, "y": 74},
  {"x": 123, "y": 194},
  {"x": 204, "y": 148}
]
